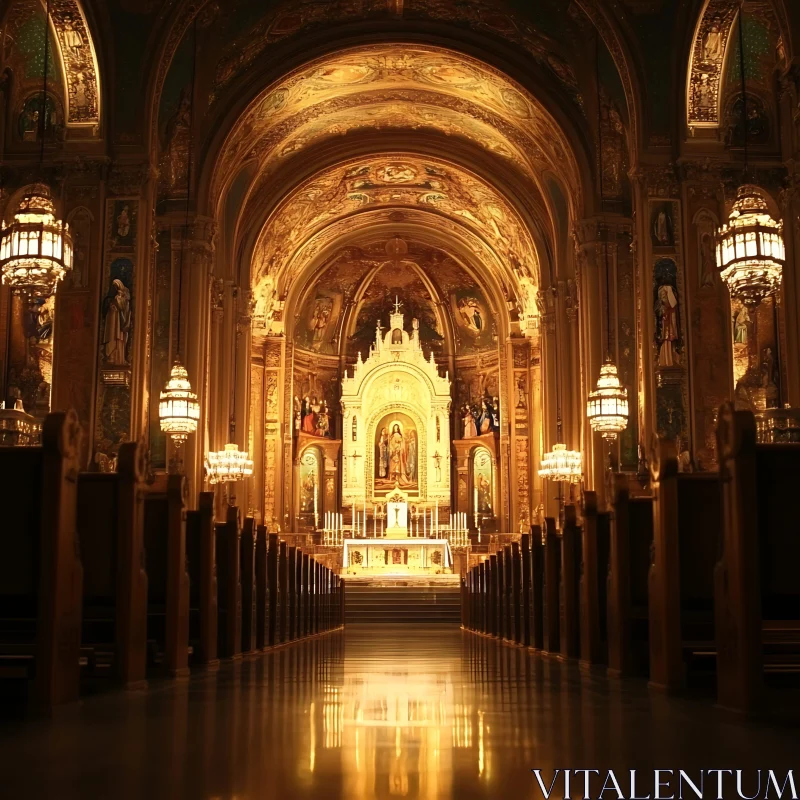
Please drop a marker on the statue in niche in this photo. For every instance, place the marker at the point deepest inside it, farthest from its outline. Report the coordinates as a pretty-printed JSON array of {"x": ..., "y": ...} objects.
[
  {"x": 323, "y": 427},
  {"x": 117, "y": 325},
  {"x": 740, "y": 323},
  {"x": 708, "y": 260},
  {"x": 383, "y": 454},
  {"x": 175, "y": 161},
  {"x": 522, "y": 392},
  {"x": 662, "y": 228},
  {"x": 484, "y": 420},
  {"x": 411, "y": 458},
  {"x": 311, "y": 408},
  {"x": 495, "y": 411},
  {"x": 470, "y": 429},
  {"x": 398, "y": 456},
  {"x": 667, "y": 335}
]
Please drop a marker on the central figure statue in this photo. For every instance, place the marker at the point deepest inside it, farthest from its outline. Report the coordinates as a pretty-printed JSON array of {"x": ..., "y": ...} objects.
[{"x": 398, "y": 456}]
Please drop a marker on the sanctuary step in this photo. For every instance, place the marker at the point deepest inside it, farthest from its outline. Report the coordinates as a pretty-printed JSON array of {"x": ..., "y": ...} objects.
[{"x": 417, "y": 602}]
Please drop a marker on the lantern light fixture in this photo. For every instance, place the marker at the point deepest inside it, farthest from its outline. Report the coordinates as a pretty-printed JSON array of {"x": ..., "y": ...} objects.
[
  {"x": 36, "y": 248},
  {"x": 228, "y": 465},
  {"x": 178, "y": 408},
  {"x": 750, "y": 248},
  {"x": 607, "y": 407}
]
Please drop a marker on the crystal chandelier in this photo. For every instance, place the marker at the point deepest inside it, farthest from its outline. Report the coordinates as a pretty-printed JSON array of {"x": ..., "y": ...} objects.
[
  {"x": 561, "y": 464},
  {"x": 750, "y": 249},
  {"x": 178, "y": 408},
  {"x": 230, "y": 464},
  {"x": 607, "y": 408}
]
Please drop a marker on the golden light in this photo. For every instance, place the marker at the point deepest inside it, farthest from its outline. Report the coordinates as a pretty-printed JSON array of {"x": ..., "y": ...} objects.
[
  {"x": 607, "y": 407},
  {"x": 178, "y": 408},
  {"x": 36, "y": 248},
  {"x": 561, "y": 464},
  {"x": 750, "y": 248},
  {"x": 228, "y": 465}
]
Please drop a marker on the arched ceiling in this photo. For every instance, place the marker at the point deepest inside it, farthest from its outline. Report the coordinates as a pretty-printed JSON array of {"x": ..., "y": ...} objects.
[
  {"x": 74, "y": 51},
  {"x": 441, "y": 197},
  {"x": 396, "y": 86}
]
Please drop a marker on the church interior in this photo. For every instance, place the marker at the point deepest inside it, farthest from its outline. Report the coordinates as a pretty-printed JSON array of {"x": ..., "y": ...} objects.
[{"x": 397, "y": 396}]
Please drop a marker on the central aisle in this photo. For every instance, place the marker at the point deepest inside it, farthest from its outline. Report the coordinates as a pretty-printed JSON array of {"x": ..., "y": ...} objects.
[{"x": 374, "y": 712}]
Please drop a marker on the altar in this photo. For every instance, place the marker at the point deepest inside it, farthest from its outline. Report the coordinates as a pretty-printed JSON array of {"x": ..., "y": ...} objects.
[{"x": 397, "y": 556}]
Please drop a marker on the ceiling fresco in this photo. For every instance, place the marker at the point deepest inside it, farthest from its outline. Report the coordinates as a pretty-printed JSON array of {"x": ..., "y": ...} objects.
[
  {"x": 392, "y": 181},
  {"x": 359, "y": 286},
  {"x": 402, "y": 86}
]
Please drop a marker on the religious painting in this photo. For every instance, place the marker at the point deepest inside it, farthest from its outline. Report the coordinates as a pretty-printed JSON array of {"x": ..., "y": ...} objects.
[
  {"x": 117, "y": 315},
  {"x": 317, "y": 324},
  {"x": 396, "y": 454},
  {"x": 482, "y": 482},
  {"x": 113, "y": 419},
  {"x": 757, "y": 124},
  {"x": 667, "y": 311},
  {"x": 662, "y": 230},
  {"x": 312, "y": 416},
  {"x": 29, "y": 122},
  {"x": 473, "y": 320},
  {"x": 123, "y": 225},
  {"x": 309, "y": 483}
]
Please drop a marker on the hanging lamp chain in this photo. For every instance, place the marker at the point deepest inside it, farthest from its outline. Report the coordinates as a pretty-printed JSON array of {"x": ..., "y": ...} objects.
[
  {"x": 743, "y": 78},
  {"x": 43, "y": 111}
]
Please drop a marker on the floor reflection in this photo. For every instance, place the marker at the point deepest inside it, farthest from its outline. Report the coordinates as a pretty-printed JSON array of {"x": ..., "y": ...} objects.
[{"x": 371, "y": 713}]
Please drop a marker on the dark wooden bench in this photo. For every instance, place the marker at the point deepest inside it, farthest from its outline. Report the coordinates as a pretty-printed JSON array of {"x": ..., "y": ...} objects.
[
  {"x": 570, "y": 585},
  {"x": 201, "y": 559},
  {"x": 756, "y": 589},
  {"x": 247, "y": 560},
  {"x": 686, "y": 531},
  {"x": 229, "y": 599},
  {"x": 40, "y": 570},
  {"x": 551, "y": 612},
  {"x": 262, "y": 587},
  {"x": 593, "y": 583},
  {"x": 629, "y": 564},
  {"x": 110, "y": 523},
  {"x": 167, "y": 579},
  {"x": 537, "y": 588}
]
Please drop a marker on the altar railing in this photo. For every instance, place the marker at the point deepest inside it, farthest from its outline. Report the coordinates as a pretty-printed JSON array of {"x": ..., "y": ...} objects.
[{"x": 778, "y": 426}]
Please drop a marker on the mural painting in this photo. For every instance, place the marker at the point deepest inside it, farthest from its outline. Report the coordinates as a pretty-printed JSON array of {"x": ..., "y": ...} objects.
[
  {"x": 29, "y": 123},
  {"x": 473, "y": 319},
  {"x": 662, "y": 226},
  {"x": 396, "y": 454},
  {"x": 483, "y": 484},
  {"x": 310, "y": 482}
]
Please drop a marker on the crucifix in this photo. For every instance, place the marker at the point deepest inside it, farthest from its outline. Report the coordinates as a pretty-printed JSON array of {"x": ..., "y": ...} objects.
[
  {"x": 397, "y": 305},
  {"x": 355, "y": 463}
]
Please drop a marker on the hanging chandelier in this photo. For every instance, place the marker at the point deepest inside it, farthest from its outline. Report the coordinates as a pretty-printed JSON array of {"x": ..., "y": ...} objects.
[
  {"x": 228, "y": 465},
  {"x": 607, "y": 408},
  {"x": 561, "y": 464},
  {"x": 750, "y": 249},
  {"x": 36, "y": 248},
  {"x": 178, "y": 408}
]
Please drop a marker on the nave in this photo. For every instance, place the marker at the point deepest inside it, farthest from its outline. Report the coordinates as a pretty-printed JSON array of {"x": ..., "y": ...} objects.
[{"x": 375, "y": 711}]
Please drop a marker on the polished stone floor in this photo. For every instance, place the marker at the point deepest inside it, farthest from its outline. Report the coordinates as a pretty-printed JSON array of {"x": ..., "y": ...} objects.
[{"x": 373, "y": 712}]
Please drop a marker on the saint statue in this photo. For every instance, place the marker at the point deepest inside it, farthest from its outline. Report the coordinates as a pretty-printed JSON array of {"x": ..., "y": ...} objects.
[
  {"x": 323, "y": 422},
  {"x": 484, "y": 419},
  {"x": 470, "y": 429},
  {"x": 666, "y": 312},
  {"x": 309, "y": 415},
  {"x": 117, "y": 325},
  {"x": 383, "y": 448},
  {"x": 398, "y": 456},
  {"x": 740, "y": 326},
  {"x": 412, "y": 455}
]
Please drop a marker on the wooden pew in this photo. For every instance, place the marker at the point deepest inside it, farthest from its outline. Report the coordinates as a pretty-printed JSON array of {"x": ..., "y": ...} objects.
[
  {"x": 306, "y": 595},
  {"x": 110, "y": 524},
  {"x": 273, "y": 556},
  {"x": 40, "y": 570},
  {"x": 247, "y": 556},
  {"x": 283, "y": 592},
  {"x": 229, "y": 630},
  {"x": 293, "y": 594},
  {"x": 593, "y": 586},
  {"x": 262, "y": 588},
  {"x": 516, "y": 591},
  {"x": 537, "y": 588},
  {"x": 495, "y": 607},
  {"x": 629, "y": 562},
  {"x": 525, "y": 589},
  {"x": 505, "y": 565},
  {"x": 167, "y": 579},
  {"x": 757, "y": 593},
  {"x": 686, "y": 531},
  {"x": 570, "y": 585},
  {"x": 552, "y": 589},
  {"x": 486, "y": 603},
  {"x": 202, "y": 562}
]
